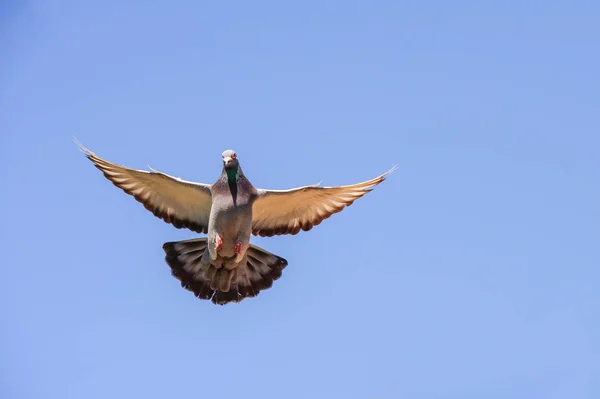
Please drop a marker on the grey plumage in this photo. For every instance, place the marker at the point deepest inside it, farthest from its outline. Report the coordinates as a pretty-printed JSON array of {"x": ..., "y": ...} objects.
[{"x": 224, "y": 267}]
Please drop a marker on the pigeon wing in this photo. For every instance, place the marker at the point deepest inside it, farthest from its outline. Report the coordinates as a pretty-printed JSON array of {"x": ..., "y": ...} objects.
[
  {"x": 183, "y": 204},
  {"x": 277, "y": 212}
]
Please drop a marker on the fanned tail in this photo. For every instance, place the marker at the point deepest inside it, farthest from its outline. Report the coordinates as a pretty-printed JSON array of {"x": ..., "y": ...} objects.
[{"x": 222, "y": 282}]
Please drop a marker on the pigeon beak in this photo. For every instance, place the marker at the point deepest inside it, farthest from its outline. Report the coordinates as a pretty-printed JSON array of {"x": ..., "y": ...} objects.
[{"x": 228, "y": 161}]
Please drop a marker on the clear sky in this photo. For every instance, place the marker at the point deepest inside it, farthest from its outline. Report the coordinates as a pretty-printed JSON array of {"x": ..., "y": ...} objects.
[{"x": 472, "y": 272}]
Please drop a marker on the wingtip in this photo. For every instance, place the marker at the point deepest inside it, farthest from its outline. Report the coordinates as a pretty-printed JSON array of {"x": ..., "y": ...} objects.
[
  {"x": 82, "y": 148},
  {"x": 392, "y": 169}
]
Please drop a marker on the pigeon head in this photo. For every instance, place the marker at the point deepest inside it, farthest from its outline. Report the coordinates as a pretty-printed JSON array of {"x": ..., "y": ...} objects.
[{"x": 230, "y": 161}]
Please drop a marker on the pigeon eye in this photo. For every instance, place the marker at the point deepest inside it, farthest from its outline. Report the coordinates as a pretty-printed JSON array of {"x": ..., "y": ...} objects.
[{"x": 233, "y": 156}]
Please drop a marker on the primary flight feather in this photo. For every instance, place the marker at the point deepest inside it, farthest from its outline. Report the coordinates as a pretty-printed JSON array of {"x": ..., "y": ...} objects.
[{"x": 224, "y": 267}]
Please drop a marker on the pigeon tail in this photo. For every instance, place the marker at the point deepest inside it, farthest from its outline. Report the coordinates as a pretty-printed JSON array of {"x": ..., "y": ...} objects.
[{"x": 223, "y": 281}]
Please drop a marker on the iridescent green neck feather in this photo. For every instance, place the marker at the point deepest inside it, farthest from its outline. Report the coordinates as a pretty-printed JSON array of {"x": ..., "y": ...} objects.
[{"x": 232, "y": 174}]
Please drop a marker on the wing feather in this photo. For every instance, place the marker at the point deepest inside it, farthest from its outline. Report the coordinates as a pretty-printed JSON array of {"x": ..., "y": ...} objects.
[
  {"x": 277, "y": 212},
  {"x": 181, "y": 203}
]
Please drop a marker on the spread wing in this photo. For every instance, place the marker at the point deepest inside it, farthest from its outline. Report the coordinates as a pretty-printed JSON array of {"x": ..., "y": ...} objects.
[
  {"x": 277, "y": 212},
  {"x": 183, "y": 204}
]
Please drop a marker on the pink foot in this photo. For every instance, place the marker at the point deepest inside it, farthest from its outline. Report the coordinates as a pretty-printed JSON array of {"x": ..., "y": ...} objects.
[
  {"x": 219, "y": 241},
  {"x": 238, "y": 248}
]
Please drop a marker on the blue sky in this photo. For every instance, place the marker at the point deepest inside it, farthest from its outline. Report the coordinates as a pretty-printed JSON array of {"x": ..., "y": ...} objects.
[{"x": 473, "y": 271}]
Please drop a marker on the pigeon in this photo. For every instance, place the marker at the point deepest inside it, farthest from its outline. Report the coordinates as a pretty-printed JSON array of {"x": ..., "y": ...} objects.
[{"x": 224, "y": 267}]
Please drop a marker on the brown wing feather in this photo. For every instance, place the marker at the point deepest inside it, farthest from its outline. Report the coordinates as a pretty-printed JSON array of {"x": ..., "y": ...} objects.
[
  {"x": 277, "y": 212},
  {"x": 183, "y": 204}
]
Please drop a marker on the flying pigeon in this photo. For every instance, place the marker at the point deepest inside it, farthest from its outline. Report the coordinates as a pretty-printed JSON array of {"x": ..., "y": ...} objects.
[{"x": 224, "y": 267}]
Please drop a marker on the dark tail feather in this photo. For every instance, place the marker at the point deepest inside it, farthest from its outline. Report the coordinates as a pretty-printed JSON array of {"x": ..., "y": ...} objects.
[{"x": 222, "y": 283}]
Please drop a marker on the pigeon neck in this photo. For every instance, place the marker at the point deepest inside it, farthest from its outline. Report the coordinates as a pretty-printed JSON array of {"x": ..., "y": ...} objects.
[{"x": 232, "y": 175}]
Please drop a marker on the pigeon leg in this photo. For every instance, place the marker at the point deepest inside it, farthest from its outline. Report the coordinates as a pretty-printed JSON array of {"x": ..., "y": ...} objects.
[
  {"x": 242, "y": 241},
  {"x": 215, "y": 245},
  {"x": 238, "y": 252}
]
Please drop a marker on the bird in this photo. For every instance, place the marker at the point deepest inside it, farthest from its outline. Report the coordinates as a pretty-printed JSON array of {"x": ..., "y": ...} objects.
[{"x": 224, "y": 267}]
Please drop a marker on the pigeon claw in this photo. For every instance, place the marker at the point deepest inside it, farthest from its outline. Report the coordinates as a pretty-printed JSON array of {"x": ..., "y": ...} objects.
[{"x": 219, "y": 242}]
